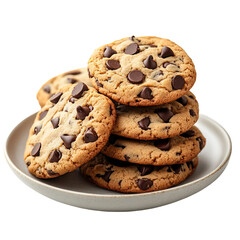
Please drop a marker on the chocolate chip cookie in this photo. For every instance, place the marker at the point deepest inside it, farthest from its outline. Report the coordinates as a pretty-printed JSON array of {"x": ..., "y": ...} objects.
[
  {"x": 154, "y": 122},
  {"x": 132, "y": 178},
  {"x": 53, "y": 85},
  {"x": 142, "y": 71},
  {"x": 69, "y": 130},
  {"x": 178, "y": 149}
]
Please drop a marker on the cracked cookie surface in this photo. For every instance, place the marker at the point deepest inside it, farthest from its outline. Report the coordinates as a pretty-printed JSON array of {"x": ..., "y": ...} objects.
[
  {"x": 154, "y": 122},
  {"x": 125, "y": 177},
  {"x": 142, "y": 71},
  {"x": 68, "y": 131},
  {"x": 178, "y": 149},
  {"x": 54, "y": 84}
]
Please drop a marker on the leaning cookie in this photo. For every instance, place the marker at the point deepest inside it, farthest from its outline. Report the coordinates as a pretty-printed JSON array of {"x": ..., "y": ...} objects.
[
  {"x": 154, "y": 122},
  {"x": 131, "y": 178},
  {"x": 69, "y": 130},
  {"x": 178, "y": 149},
  {"x": 53, "y": 85},
  {"x": 142, "y": 71}
]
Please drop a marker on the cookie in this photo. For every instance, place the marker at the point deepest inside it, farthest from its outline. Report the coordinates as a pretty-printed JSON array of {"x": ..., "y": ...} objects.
[
  {"x": 69, "y": 130},
  {"x": 53, "y": 85},
  {"x": 132, "y": 178},
  {"x": 176, "y": 150},
  {"x": 142, "y": 71},
  {"x": 154, "y": 122}
]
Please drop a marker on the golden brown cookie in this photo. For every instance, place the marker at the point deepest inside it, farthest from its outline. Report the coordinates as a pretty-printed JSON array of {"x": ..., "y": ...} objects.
[
  {"x": 68, "y": 131},
  {"x": 131, "y": 178},
  {"x": 54, "y": 84},
  {"x": 154, "y": 122},
  {"x": 142, "y": 71},
  {"x": 178, "y": 149}
]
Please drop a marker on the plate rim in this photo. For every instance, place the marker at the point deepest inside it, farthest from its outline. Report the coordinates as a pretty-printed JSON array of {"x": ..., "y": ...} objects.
[{"x": 122, "y": 195}]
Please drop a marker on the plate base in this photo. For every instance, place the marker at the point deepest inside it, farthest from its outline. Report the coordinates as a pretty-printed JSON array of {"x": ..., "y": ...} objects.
[{"x": 74, "y": 190}]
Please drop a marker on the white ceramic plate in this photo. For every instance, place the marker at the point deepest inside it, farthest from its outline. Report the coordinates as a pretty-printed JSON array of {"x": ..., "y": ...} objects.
[{"x": 74, "y": 190}]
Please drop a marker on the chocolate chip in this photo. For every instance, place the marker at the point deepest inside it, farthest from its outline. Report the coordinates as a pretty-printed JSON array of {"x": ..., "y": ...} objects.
[
  {"x": 183, "y": 100},
  {"x": 82, "y": 112},
  {"x": 200, "y": 140},
  {"x": 132, "y": 49},
  {"x": 113, "y": 64},
  {"x": 192, "y": 113},
  {"x": 43, "y": 114},
  {"x": 126, "y": 157},
  {"x": 144, "y": 123},
  {"x": 108, "y": 52},
  {"x": 36, "y": 150},
  {"x": 55, "y": 156},
  {"x": 166, "y": 52},
  {"x": 176, "y": 168},
  {"x": 37, "y": 129},
  {"x": 132, "y": 38},
  {"x": 47, "y": 88},
  {"x": 135, "y": 77},
  {"x": 55, "y": 122},
  {"x": 79, "y": 89},
  {"x": 164, "y": 113},
  {"x": 165, "y": 64},
  {"x": 145, "y": 169},
  {"x": 28, "y": 164},
  {"x": 72, "y": 99},
  {"x": 98, "y": 83},
  {"x": 68, "y": 139},
  {"x": 51, "y": 172},
  {"x": 105, "y": 176},
  {"x": 71, "y": 80},
  {"x": 144, "y": 183},
  {"x": 55, "y": 98},
  {"x": 146, "y": 93},
  {"x": 73, "y": 73},
  {"x": 90, "y": 135},
  {"x": 150, "y": 63},
  {"x": 189, "y": 133},
  {"x": 163, "y": 144},
  {"x": 178, "y": 82}
]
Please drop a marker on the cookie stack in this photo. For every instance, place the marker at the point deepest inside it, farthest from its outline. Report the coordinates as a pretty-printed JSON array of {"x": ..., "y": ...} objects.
[{"x": 153, "y": 143}]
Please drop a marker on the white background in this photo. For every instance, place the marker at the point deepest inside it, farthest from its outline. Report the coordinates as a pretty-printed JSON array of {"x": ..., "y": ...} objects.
[{"x": 40, "y": 39}]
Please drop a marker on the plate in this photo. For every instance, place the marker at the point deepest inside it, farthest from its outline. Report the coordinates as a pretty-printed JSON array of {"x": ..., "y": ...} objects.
[{"x": 74, "y": 190}]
